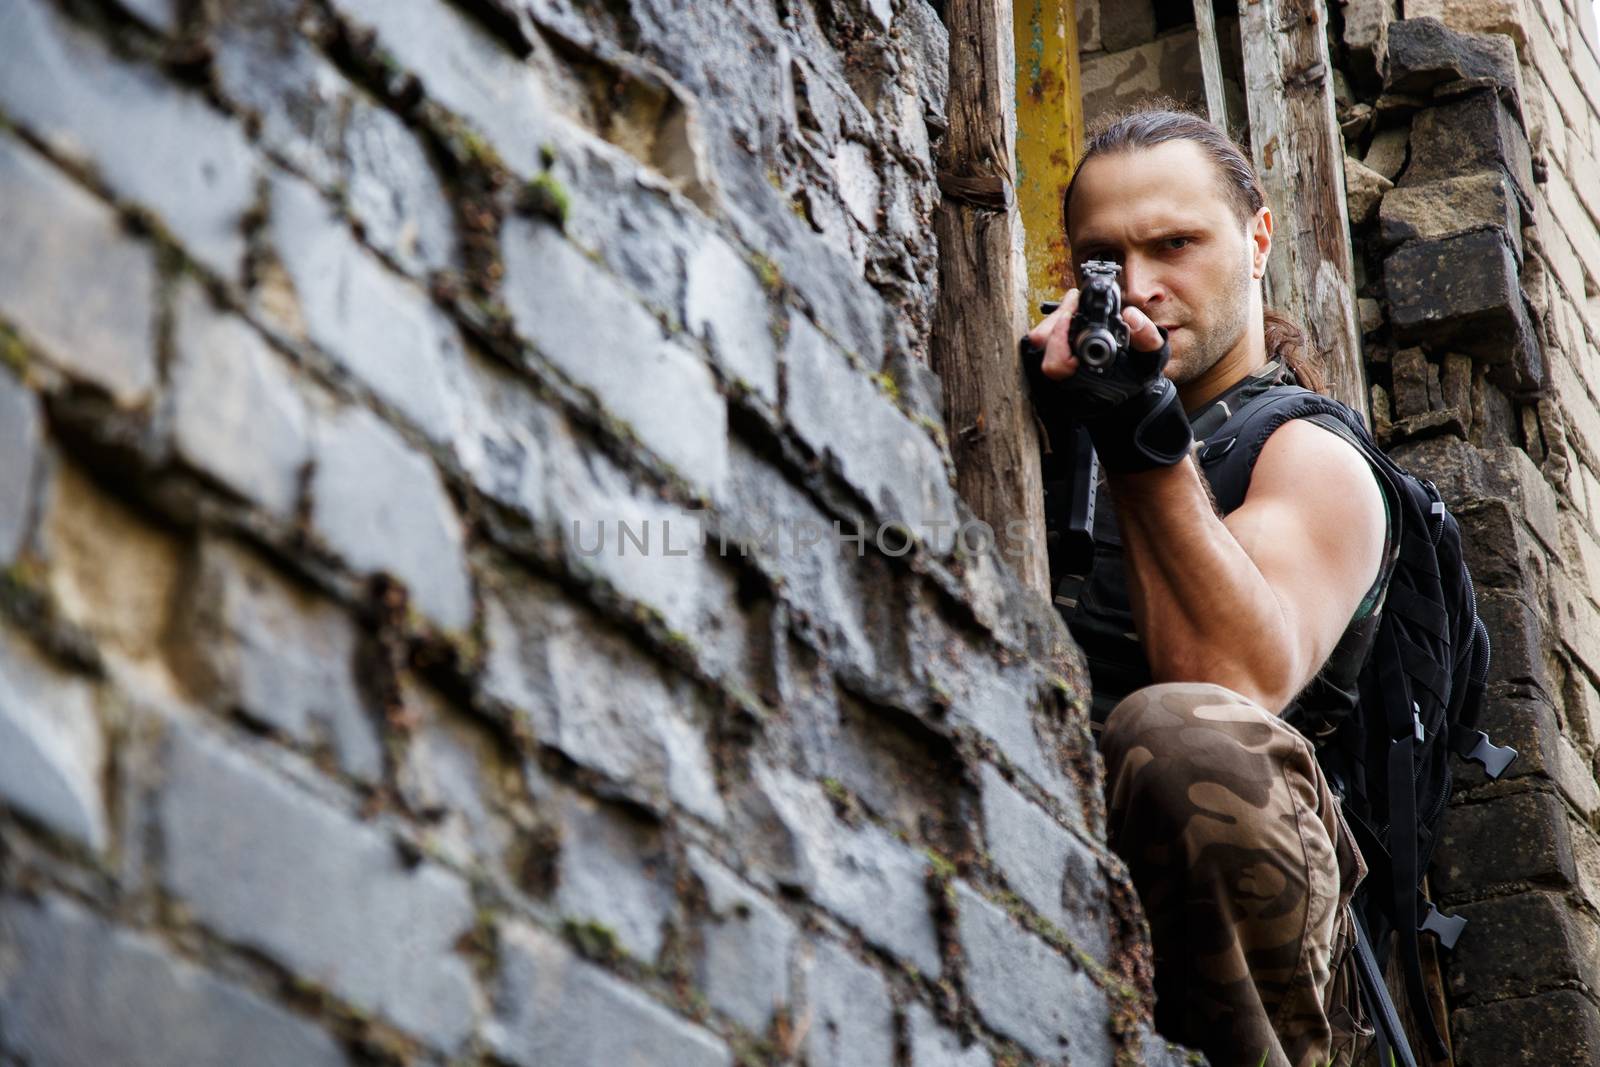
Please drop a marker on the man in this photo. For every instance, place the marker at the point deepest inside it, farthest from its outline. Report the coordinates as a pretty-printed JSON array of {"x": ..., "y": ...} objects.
[{"x": 1230, "y": 831}]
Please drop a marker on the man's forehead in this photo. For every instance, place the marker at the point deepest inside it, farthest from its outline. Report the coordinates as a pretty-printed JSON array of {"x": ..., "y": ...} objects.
[{"x": 1171, "y": 184}]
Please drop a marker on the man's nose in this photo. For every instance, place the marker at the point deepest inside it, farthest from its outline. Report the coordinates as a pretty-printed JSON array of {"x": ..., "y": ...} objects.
[{"x": 1140, "y": 285}]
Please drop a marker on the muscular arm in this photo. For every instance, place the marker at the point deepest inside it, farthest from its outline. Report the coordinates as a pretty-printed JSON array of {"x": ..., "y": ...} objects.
[{"x": 1255, "y": 601}]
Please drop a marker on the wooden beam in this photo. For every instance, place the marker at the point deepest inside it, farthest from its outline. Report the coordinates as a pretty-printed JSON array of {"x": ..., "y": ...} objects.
[
  {"x": 1299, "y": 151},
  {"x": 1049, "y": 136},
  {"x": 978, "y": 318},
  {"x": 1205, "y": 23}
]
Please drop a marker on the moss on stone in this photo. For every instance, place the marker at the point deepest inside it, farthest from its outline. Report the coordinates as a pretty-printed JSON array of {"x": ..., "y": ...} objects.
[
  {"x": 13, "y": 353},
  {"x": 595, "y": 940},
  {"x": 545, "y": 195},
  {"x": 767, "y": 271}
]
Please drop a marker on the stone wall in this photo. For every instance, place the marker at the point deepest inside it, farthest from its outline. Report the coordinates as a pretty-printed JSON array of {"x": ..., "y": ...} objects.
[
  {"x": 1132, "y": 50},
  {"x": 1476, "y": 206},
  {"x": 423, "y": 431}
]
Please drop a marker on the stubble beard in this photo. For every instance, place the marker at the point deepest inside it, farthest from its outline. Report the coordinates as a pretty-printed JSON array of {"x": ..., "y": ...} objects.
[{"x": 1205, "y": 351}]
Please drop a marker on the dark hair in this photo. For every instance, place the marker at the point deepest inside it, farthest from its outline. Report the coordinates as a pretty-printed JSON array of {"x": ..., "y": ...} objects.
[{"x": 1164, "y": 120}]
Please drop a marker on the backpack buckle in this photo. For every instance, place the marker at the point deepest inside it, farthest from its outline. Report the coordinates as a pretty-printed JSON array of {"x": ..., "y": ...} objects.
[
  {"x": 1493, "y": 758},
  {"x": 1447, "y": 928}
]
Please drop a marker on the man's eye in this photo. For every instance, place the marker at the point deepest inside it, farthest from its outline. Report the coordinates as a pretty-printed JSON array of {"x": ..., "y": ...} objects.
[{"x": 1175, "y": 243}]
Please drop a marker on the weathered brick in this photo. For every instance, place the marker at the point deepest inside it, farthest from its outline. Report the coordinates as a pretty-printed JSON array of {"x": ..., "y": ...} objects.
[
  {"x": 1510, "y": 839},
  {"x": 1473, "y": 133},
  {"x": 162, "y": 147},
  {"x": 614, "y": 871},
  {"x": 1059, "y": 1014},
  {"x": 61, "y": 240},
  {"x": 1364, "y": 189},
  {"x": 1522, "y": 944},
  {"x": 19, "y": 461},
  {"x": 381, "y": 328},
  {"x": 863, "y": 874},
  {"x": 465, "y": 69},
  {"x": 382, "y": 507},
  {"x": 237, "y": 413},
  {"x": 267, "y": 866},
  {"x": 1510, "y": 474},
  {"x": 298, "y": 98},
  {"x": 461, "y": 776},
  {"x": 1517, "y": 635},
  {"x": 76, "y": 990},
  {"x": 1424, "y": 54},
  {"x": 1464, "y": 291},
  {"x": 933, "y": 1045},
  {"x": 602, "y": 703},
  {"x": 554, "y": 1009},
  {"x": 852, "y": 1020},
  {"x": 884, "y": 456},
  {"x": 109, "y": 568},
  {"x": 726, "y": 306},
  {"x": 253, "y": 642},
  {"x": 589, "y": 327},
  {"x": 823, "y": 585},
  {"x": 1576, "y": 622},
  {"x": 1046, "y": 866},
  {"x": 1366, "y": 34},
  {"x": 1556, "y": 1027},
  {"x": 748, "y": 948},
  {"x": 394, "y": 192},
  {"x": 52, "y": 751},
  {"x": 1475, "y": 16},
  {"x": 1481, "y": 200}
]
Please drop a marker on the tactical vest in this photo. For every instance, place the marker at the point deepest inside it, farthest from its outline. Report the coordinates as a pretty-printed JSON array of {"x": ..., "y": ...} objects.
[{"x": 1096, "y": 608}]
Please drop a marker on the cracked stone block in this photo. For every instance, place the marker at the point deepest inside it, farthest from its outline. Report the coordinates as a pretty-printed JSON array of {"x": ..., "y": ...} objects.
[
  {"x": 1473, "y": 133},
  {"x": 59, "y": 239},
  {"x": 1366, "y": 26},
  {"x": 1560, "y": 1026},
  {"x": 1058, "y": 1014},
  {"x": 52, "y": 751},
  {"x": 1476, "y": 16},
  {"x": 1452, "y": 206},
  {"x": 394, "y": 192},
  {"x": 464, "y": 68},
  {"x": 615, "y": 871},
  {"x": 265, "y": 865},
  {"x": 1045, "y": 865},
  {"x": 1517, "y": 944},
  {"x": 1425, "y": 55},
  {"x": 109, "y": 569},
  {"x": 379, "y": 326},
  {"x": 843, "y": 416},
  {"x": 554, "y": 1009},
  {"x": 382, "y": 507},
  {"x": 863, "y": 874},
  {"x": 237, "y": 412},
  {"x": 933, "y": 1045},
  {"x": 299, "y": 98},
  {"x": 1465, "y": 292},
  {"x": 1364, "y": 189},
  {"x": 284, "y": 657},
  {"x": 76, "y": 990},
  {"x": 457, "y": 774},
  {"x": 1527, "y": 834},
  {"x": 593, "y": 330},
  {"x": 591, "y": 694},
  {"x": 748, "y": 947},
  {"x": 852, "y": 1018},
  {"x": 727, "y": 307},
  {"x": 159, "y": 146}
]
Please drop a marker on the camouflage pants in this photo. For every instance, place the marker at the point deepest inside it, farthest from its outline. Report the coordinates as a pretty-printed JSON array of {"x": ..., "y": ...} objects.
[{"x": 1244, "y": 866}]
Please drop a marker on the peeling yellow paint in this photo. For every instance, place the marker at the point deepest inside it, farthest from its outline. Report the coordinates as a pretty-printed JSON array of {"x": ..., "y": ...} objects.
[{"x": 1049, "y": 135}]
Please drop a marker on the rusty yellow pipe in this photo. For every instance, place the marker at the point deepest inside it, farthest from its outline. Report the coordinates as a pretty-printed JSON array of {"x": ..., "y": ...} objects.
[{"x": 1049, "y": 135}]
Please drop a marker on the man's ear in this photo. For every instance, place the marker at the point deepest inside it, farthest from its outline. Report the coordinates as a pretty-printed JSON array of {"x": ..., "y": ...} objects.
[{"x": 1260, "y": 237}]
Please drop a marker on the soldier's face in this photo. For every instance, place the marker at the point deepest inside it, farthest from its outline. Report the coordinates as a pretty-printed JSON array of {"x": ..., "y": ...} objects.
[{"x": 1188, "y": 262}]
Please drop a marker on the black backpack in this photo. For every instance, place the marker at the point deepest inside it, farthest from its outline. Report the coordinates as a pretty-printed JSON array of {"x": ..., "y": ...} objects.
[{"x": 1421, "y": 690}]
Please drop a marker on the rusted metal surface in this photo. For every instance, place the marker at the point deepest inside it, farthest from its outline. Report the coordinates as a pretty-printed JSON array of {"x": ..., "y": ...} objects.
[{"x": 1049, "y": 135}]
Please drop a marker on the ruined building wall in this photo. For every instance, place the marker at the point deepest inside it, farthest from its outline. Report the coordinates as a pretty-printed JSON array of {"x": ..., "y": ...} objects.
[
  {"x": 327, "y": 734},
  {"x": 1477, "y": 215}
]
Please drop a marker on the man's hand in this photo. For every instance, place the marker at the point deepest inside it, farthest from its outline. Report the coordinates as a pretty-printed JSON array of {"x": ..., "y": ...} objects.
[{"x": 1052, "y": 335}]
